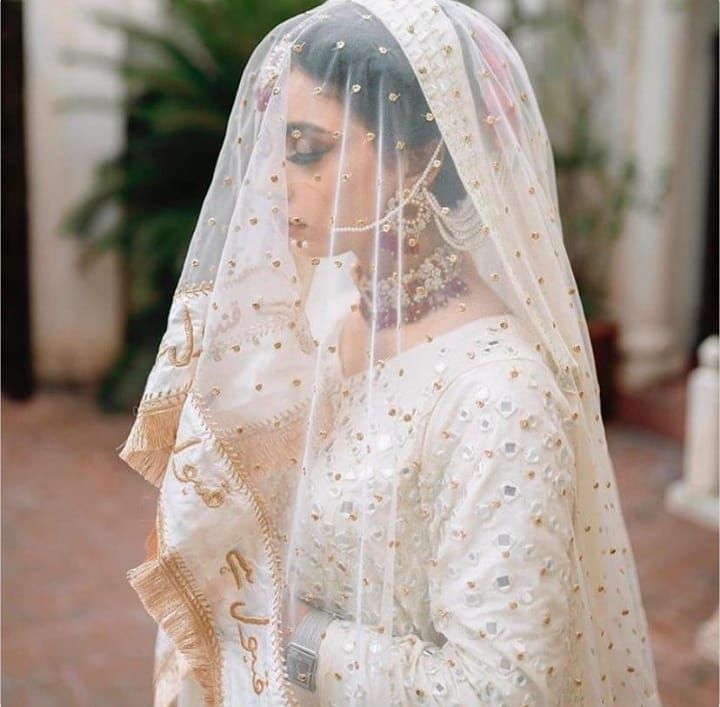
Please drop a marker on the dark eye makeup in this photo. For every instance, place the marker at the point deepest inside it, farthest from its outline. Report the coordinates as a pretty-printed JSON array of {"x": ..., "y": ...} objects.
[
  {"x": 306, "y": 157},
  {"x": 303, "y": 138}
]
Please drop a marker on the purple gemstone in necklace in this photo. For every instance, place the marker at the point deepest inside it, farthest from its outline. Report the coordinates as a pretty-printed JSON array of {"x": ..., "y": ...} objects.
[{"x": 432, "y": 284}]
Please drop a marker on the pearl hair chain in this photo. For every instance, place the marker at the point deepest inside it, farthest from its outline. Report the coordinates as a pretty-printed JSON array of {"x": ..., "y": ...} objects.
[{"x": 434, "y": 163}]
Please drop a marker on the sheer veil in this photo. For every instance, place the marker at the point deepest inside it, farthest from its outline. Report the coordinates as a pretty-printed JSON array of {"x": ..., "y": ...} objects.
[{"x": 386, "y": 184}]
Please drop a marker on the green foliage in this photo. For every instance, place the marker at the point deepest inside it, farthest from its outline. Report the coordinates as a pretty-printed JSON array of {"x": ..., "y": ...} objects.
[{"x": 179, "y": 84}]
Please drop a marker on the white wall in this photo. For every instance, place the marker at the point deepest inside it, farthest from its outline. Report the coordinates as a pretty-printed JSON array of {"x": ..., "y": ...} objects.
[{"x": 76, "y": 313}]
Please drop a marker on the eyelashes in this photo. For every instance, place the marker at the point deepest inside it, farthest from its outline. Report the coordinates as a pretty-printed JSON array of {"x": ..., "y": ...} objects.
[{"x": 306, "y": 157}]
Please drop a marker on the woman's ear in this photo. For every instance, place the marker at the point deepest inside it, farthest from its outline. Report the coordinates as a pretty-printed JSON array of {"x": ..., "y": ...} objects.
[{"x": 417, "y": 161}]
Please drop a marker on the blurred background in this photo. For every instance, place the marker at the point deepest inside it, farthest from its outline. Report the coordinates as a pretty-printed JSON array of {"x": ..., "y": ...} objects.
[{"x": 113, "y": 112}]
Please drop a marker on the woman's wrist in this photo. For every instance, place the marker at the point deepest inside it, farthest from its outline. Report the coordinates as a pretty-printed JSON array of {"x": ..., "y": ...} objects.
[{"x": 301, "y": 652}]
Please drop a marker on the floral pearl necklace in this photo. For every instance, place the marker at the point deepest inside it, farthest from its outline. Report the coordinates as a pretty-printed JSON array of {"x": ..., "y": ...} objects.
[{"x": 426, "y": 287}]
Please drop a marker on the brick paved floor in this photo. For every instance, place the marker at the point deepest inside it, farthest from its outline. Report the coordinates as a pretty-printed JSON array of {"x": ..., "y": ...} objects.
[{"x": 75, "y": 517}]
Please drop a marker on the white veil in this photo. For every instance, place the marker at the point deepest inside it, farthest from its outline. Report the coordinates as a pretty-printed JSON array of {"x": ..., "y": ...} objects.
[{"x": 299, "y": 251}]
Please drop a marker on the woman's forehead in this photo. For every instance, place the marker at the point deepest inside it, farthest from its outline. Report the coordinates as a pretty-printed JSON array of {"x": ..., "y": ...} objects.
[{"x": 309, "y": 110}]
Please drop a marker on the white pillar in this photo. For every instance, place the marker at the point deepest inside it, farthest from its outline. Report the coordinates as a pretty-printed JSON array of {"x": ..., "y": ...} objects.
[
  {"x": 642, "y": 270},
  {"x": 666, "y": 93},
  {"x": 695, "y": 495},
  {"x": 77, "y": 313}
]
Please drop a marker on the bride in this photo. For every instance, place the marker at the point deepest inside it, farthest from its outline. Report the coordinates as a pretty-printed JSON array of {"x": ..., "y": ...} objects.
[{"x": 374, "y": 416}]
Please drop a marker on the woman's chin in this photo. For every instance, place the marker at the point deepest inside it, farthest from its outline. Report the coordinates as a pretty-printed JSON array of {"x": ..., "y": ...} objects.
[{"x": 307, "y": 245}]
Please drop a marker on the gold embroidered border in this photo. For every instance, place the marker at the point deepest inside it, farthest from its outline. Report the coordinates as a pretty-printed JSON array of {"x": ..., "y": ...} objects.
[
  {"x": 184, "y": 360},
  {"x": 152, "y": 437},
  {"x": 167, "y": 589},
  {"x": 240, "y": 472},
  {"x": 192, "y": 290},
  {"x": 270, "y": 445},
  {"x": 211, "y": 497}
]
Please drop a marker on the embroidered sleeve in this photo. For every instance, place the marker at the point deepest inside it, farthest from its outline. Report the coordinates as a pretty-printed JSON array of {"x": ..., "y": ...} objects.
[{"x": 498, "y": 478}]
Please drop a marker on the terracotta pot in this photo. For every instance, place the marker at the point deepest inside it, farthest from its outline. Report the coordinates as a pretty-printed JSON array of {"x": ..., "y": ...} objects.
[{"x": 603, "y": 336}]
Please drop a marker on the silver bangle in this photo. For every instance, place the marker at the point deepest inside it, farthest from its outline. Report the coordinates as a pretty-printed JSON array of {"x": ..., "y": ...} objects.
[{"x": 301, "y": 653}]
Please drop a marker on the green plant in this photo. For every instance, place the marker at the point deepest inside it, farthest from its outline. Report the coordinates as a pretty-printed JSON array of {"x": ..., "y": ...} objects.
[{"x": 180, "y": 83}]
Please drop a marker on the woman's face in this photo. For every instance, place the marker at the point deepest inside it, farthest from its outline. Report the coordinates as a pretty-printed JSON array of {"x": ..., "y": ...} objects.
[{"x": 315, "y": 171}]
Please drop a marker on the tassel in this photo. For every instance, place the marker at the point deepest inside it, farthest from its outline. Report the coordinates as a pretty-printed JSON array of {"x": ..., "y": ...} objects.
[
  {"x": 164, "y": 589},
  {"x": 273, "y": 449},
  {"x": 150, "y": 442}
]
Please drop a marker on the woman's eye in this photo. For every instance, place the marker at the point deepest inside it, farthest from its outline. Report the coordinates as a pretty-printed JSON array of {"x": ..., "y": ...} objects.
[
  {"x": 299, "y": 158},
  {"x": 304, "y": 152}
]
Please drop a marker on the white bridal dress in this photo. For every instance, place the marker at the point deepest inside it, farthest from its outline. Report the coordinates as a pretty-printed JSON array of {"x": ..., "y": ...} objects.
[
  {"x": 442, "y": 527},
  {"x": 483, "y": 575}
]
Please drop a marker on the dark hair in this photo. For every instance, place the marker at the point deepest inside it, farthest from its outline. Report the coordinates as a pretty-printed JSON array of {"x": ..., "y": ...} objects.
[{"x": 360, "y": 61}]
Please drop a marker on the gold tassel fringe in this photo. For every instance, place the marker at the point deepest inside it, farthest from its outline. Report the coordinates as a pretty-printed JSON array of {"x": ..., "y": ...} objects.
[
  {"x": 164, "y": 590},
  {"x": 150, "y": 442}
]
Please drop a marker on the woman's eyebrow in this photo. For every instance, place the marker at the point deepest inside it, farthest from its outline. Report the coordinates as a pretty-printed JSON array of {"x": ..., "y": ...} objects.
[{"x": 302, "y": 125}]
